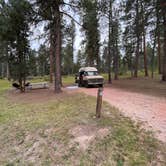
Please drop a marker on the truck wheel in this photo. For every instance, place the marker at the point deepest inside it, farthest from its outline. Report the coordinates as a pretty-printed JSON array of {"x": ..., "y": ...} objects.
[
  {"x": 79, "y": 84},
  {"x": 86, "y": 85},
  {"x": 101, "y": 85}
]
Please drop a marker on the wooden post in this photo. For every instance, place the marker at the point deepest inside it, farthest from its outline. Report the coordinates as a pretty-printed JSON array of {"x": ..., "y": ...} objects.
[{"x": 99, "y": 102}]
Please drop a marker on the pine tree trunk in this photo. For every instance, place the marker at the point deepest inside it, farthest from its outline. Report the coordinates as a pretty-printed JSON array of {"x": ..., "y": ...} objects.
[
  {"x": 7, "y": 64},
  {"x": 61, "y": 82},
  {"x": 164, "y": 48},
  {"x": 51, "y": 57},
  {"x": 138, "y": 40},
  {"x": 109, "y": 45},
  {"x": 109, "y": 61},
  {"x": 116, "y": 63},
  {"x": 136, "y": 59},
  {"x": 158, "y": 37},
  {"x": 159, "y": 53},
  {"x": 24, "y": 82},
  {"x": 7, "y": 71},
  {"x": 21, "y": 84},
  {"x": 72, "y": 45},
  {"x": 145, "y": 55},
  {"x": 3, "y": 70},
  {"x": 57, "y": 51},
  {"x": 131, "y": 63},
  {"x": 98, "y": 62},
  {"x": 153, "y": 54},
  {"x": 21, "y": 70}
]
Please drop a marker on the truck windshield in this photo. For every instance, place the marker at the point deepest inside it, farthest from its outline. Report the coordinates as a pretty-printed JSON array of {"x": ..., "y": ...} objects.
[{"x": 92, "y": 73}]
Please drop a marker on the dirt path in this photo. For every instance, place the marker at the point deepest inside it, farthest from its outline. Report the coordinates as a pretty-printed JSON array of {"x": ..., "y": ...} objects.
[{"x": 140, "y": 107}]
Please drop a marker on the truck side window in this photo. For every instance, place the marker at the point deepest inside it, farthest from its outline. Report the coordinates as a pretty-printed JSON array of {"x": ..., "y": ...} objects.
[
  {"x": 85, "y": 73},
  {"x": 81, "y": 73}
]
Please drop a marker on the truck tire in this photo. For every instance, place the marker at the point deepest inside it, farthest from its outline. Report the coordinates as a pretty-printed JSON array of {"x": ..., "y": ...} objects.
[
  {"x": 101, "y": 85},
  {"x": 79, "y": 84},
  {"x": 86, "y": 84}
]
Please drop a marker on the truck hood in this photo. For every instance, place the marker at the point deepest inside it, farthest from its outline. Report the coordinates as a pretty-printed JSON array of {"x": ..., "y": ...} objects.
[{"x": 94, "y": 77}]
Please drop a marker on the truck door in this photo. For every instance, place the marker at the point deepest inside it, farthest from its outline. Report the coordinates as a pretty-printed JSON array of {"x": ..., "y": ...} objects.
[{"x": 81, "y": 78}]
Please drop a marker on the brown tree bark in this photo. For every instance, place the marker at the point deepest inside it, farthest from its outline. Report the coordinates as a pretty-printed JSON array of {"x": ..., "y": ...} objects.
[
  {"x": 164, "y": 46},
  {"x": 109, "y": 57},
  {"x": 7, "y": 64},
  {"x": 116, "y": 63},
  {"x": 2, "y": 70},
  {"x": 136, "y": 59},
  {"x": 145, "y": 55},
  {"x": 21, "y": 84},
  {"x": 7, "y": 71},
  {"x": 57, "y": 36},
  {"x": 51, "y": 57},
  {"x": 159, "y": 53},
  {"x": 153, "y": 55},
  {"x": 138, "y": 40},
  {"x": 21, "y": 73},
  {"x": 109, "y": 45},
  {"x": 158, "y": 37}
]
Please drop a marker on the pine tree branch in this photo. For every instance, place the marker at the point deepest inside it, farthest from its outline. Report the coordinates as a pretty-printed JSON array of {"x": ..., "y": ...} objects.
[
  {"x": 72, "y": 6},
  {"x": 68, "y": 15}
]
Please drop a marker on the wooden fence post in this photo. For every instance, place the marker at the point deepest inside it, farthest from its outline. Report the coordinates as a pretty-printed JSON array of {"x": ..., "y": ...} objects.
[{"x": 99, "y": 102}]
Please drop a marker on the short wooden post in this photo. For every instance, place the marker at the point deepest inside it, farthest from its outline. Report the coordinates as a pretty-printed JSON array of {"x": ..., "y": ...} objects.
[{"x": 99, "y": 102}]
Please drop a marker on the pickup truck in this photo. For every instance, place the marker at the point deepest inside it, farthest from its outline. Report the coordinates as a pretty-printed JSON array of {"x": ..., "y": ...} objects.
[{"x": 88, "y": 76}]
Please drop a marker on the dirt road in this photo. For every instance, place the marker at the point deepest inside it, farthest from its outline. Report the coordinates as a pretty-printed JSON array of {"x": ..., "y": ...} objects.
[{"x": 139, "y": 107}]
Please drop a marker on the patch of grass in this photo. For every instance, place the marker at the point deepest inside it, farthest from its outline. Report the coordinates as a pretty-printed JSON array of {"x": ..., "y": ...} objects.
[
  {"x": 4, "y": 85},
  {"x": 39, "y": 133},
  {"x": 142, "y": 85},
  {"x": 145, "y": 85},
  {"x": 127, "y": 74},
  {"x": 67, "y": 79}
]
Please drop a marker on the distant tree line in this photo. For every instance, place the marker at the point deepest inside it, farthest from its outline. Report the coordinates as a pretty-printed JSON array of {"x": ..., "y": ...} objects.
[{"x": 134, "y": 30}]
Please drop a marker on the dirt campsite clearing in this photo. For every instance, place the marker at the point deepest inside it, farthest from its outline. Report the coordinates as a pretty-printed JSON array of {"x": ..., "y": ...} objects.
[
  {"x": 150, "y": 110},
  {"x": 41, "y": 127}
]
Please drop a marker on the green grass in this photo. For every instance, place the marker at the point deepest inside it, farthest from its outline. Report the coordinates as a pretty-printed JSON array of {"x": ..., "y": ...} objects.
[
  {"x": 70, "y": 79},
  {"x": 40, "y": 133},
  {"x": 142, "y": 85},
  {"x": 145, "y": 85},
  {"x": 4, "y": 85},
  {"x": 67, "y": 80},
  {"x": 128, "y": 75}
]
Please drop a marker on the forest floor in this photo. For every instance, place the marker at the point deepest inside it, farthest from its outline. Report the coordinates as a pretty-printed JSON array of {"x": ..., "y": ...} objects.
[
  {"x": 142, "y": 99},
  {"x": 143, "y": 85},
  {"x": 41, "y": 128}
]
